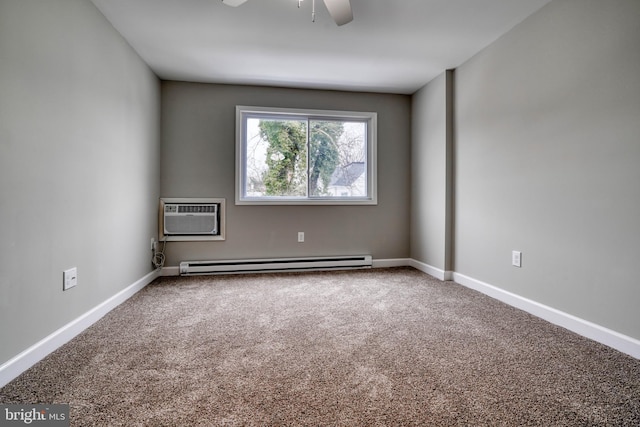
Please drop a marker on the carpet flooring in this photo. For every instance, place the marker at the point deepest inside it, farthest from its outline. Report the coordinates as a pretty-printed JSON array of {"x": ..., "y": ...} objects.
[{"x": 357, "y": 348}]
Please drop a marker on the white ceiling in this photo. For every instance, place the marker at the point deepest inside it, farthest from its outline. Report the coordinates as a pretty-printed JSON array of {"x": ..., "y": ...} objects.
[{"x": 391, "y": 46}]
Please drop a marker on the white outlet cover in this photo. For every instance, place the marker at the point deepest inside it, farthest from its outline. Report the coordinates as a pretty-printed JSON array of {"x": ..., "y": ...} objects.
[
  {"x": 516, "y": 258},
  {"x": 70, "y": 278}
]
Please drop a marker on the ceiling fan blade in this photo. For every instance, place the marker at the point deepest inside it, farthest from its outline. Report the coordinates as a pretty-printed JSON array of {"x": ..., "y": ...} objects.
[
  {"x": 340, "y": 11},
  {"x": 233, "y": 3}
]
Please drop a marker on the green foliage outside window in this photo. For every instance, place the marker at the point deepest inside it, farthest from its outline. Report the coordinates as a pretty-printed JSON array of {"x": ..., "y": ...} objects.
[
  {"x": 286, "y": 159},
  {"x": 323, "y": 154}
]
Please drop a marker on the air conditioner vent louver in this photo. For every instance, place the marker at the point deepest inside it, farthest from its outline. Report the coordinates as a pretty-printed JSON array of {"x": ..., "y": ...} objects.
[{"x": 197, "y": 208}]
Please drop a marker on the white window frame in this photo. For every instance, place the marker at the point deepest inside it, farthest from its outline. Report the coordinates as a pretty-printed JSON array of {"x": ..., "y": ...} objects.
[{"x": 242, "y": 112}]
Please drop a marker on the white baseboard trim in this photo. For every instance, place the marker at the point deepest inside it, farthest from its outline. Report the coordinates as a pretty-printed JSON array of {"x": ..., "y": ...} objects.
[
  {"x": 431, "y": 271},
  {"x": 170, "y": 271},
  {"x": 608, "y": 337},
  {"x": 391, "y": 262},
  {"x": 29, "y": 357}
]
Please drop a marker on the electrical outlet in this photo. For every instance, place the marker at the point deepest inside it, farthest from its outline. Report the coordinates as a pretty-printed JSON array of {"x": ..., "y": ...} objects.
[
  {"x": 300, "y": 236},
  {"x": 153, "y": 244},
  {"x": 69, "y": 278},
  {"x": 516, "y": 258}
]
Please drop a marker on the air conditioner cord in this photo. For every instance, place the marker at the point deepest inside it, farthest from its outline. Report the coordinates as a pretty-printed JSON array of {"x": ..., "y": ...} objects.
[{"x": 158, "y": 257}]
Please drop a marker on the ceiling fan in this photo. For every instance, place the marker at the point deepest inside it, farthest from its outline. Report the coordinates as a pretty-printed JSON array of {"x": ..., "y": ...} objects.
[{"x": 340, "y": 10}]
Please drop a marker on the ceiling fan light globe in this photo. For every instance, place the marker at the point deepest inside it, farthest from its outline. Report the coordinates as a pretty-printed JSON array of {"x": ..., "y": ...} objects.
[
  {"x": 340, "y": 11},
  {"x": 233, "y": 3}
]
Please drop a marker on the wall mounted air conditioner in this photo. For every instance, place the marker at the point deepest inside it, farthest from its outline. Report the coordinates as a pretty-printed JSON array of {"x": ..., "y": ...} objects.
[{"x": 183, "y": 219}]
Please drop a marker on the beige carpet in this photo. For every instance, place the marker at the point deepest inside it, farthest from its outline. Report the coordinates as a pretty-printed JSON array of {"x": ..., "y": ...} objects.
[{"x": 360, "y": 348}]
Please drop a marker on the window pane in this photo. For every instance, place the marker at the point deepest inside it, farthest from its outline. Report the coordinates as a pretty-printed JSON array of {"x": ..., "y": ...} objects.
[
  {"x": 276, "y": 158},
  {"x": 337, "y": 159},
  {"x": 296, "y": 156}
]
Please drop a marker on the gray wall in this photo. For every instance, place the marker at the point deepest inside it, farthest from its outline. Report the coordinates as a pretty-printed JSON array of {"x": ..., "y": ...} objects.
[
  {"x": 431, "y": 173},
  {"x": 198, "y": 160},
  {"x": 547, "y": 161},
  {"x": 79, "y": 165}
]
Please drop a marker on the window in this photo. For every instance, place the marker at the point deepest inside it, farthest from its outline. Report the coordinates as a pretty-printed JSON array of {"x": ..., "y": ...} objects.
[{"x": 291, "y": 156}]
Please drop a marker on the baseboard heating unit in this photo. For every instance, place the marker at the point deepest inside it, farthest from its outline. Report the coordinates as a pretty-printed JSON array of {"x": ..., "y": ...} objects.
[{"x": 275, "y": 264}]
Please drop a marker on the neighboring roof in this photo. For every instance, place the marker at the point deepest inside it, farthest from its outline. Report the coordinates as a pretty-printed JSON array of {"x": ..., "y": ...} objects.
[{"x": 347, "y": 175}]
